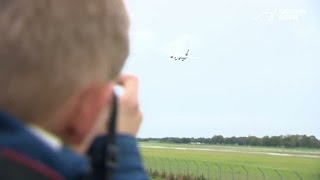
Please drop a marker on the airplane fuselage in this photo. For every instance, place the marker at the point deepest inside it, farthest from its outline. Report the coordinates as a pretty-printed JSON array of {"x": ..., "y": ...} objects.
[
  {"x": 183, "y": 58},
  {"x": 179, "y": 58}
]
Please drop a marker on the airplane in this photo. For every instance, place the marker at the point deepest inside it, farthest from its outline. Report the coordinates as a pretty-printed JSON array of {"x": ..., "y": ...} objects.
[{"x": 183, "y": 57}]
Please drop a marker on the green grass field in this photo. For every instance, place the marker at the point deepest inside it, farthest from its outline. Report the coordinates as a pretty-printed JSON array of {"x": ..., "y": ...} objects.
[{"x": 233, "y": 162}]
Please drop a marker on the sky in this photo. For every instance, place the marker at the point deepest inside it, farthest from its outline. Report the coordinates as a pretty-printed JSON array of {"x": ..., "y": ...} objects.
[{"x": 255, "y": 67}]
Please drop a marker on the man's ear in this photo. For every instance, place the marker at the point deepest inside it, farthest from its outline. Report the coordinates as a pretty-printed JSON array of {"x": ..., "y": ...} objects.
[{"x": 84, "y": 113}]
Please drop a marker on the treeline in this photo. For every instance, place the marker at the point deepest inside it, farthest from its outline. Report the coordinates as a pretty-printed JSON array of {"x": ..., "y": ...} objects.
[{"x": 289, "y": 141}]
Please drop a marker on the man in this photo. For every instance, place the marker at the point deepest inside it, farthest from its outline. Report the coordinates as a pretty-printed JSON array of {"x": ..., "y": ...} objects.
[{"x": 59, "y": 63}]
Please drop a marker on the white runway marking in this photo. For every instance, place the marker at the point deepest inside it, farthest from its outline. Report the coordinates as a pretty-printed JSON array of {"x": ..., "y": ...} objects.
[{"x": 233, "y": 151}]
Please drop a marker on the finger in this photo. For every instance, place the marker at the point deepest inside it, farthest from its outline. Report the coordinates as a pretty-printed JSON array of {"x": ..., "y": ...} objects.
[{"x": 130, "y": 84}]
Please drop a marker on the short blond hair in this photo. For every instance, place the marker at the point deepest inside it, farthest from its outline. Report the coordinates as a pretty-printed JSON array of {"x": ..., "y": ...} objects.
[{"x": 51, "y": 48}]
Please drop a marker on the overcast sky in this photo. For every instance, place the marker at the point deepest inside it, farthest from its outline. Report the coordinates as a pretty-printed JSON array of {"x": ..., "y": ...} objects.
[{"x": 255, "y": 71}]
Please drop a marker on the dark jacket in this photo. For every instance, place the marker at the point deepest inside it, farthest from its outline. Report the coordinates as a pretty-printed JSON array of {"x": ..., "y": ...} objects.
[{"x": 24, "y": 156}]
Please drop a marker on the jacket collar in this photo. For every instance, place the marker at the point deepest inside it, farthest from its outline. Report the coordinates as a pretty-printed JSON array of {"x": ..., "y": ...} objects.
[
  {"x": 50, "y": 139},
  {"x": 15, "y": 135}
]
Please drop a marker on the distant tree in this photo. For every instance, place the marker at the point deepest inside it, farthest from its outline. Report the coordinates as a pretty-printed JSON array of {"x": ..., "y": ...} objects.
[
  {"x": 185, "y": 140},
  {"x": 217, "y": 139},
  {"x": 289, "y": 141},
  {"x": 275, "y": 141},
  {"x": 253, "y": 141}
]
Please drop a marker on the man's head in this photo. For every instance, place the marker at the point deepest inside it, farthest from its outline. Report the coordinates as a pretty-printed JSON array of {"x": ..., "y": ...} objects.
[{"x": 58, "y": 59}]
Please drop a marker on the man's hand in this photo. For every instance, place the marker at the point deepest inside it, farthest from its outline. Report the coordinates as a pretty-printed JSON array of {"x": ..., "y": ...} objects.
[{"x": 129, "y": 115}]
